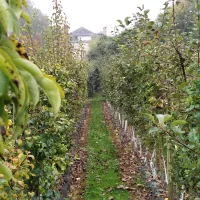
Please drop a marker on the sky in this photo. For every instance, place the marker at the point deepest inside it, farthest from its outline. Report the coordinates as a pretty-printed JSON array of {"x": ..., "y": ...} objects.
[{"x": 94, "y": 15}]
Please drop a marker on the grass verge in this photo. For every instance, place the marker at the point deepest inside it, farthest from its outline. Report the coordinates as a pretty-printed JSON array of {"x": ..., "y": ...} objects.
[{"x": 103, "y": 165}]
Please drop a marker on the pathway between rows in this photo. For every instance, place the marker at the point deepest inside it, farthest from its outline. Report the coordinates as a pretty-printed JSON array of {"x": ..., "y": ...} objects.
[
  {"x": 103, "y": 164},
  {"x": 98, "y": 173}
]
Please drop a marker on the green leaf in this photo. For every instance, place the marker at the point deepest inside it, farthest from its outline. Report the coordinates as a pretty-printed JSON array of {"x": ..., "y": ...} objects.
[
  {"x": 166, "y": 4},
  {"x": 52, "y": 91},
  {"x": 198, "y": 24},
  {"x": 62, "y": 94},
  {"x": 167, "y": 117},
  {"x": 26, "y": 17},
  {"x": 24, "y": 3},
  {"x": 20, "y": 124},
  {"x": 198, "y": 185},
  {"x": 13, "y": 24},
  {"x": 182, "y": 85},
  {"x": 32, "y": 86},
  {"x": 160, "y": 118},
  {"x": 5, "y": 171},
  {"x": 178, "y": 122},
  {"x": 1, "y": 106},
  {"x": 121, "y": 23},
  {"x": 151, "y": 99},
  {"x": 1, "y": 145},
  {"x": 127, "y": 21},
  {"x": 3, "y": 114},
  {"x": 177, "y": 130},
  {"x": 4, "y": 83},
  {"x": 150, "y": 23},
  {"x": 163, "y": 118},
  {"x": 193, "y": 136},
  {"x": 198, "y": 7},
  {"x": 153, "y": 130},
  {"x": 146, "y": 13},
  {"x": 149, "y": 116}
]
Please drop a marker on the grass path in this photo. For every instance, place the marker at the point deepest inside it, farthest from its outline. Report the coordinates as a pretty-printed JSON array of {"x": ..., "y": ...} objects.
[{"x": 103, "y": 165}]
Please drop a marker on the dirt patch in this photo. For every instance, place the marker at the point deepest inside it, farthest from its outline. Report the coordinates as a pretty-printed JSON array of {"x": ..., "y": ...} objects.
[
  {"x": 130, "y": 161},
  {"x": 78, "y": 172}
]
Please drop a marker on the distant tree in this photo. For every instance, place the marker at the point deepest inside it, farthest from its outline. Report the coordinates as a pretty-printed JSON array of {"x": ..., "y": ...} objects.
[
  {"x": 183, "y": 15},
  {"x": 39, "y": 20},
  {"x": 104, "y": 46},
  {"x": 184, "y": 18},
  {"x": 94, "y": 84},
  {"x": 99, "y": 49}
]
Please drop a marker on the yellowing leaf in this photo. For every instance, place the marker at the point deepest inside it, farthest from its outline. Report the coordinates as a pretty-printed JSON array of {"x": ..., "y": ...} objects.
[
  {"x": 31, "y": 156},
  {"x": 32, "y": 174},
  {"x": 14, "y": 196},
  {"x": 9, "y": 122},
  {"x": 27, "y": 176},
  {"x": 31, "y": 194},
  {"x": 21, "y": 157},
  {"x": 21, "y": 183},
  {"x": 15, "y": 161},
  {"x": 31, "y": 165}
]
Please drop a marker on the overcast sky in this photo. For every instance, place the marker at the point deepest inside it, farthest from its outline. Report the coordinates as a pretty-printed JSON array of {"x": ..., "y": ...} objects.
[{"x": 94, "y": 15}]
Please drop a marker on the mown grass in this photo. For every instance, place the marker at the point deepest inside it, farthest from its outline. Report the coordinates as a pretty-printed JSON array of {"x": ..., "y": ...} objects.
[{"x": 103, "y": 167}]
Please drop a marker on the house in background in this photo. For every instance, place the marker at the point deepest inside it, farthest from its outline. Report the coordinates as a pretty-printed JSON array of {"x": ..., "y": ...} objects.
[{"x": 82, "y": 36}]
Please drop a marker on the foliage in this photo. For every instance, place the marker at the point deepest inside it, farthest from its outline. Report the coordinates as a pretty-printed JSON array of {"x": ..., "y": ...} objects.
[
  {"x": 50, "y": 140},
  {"x": 34, "y": 145},
  {"x": 152, "y": 78},
  {"x": 94, "y": 82},
  {"x": 39, "y": 20},
  {"x": 20, "y": 83},
  {"x": 100, "y": 49},
  {"x": 184, "y": 14}
]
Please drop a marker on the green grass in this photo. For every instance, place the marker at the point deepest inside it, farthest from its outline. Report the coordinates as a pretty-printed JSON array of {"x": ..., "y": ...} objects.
[{"x": 103, "y": 167}]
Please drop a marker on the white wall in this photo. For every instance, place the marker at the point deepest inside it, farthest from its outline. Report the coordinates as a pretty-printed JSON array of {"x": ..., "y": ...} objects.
[{"x": 84, "y": 38}]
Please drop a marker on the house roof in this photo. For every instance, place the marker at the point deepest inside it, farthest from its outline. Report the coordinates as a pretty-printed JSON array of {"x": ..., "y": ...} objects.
[{"x": 82, "y": 32}]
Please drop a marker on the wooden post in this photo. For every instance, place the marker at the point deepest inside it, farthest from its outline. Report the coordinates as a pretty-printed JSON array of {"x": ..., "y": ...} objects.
[
  {"x": 152, "y": 164},
  {"x": 169, "y": 171}
]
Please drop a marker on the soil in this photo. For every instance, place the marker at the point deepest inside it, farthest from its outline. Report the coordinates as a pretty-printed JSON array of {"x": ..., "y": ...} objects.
[
  {"x": 78, "y": 173},
  {"x": 130, "y": 161}
]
